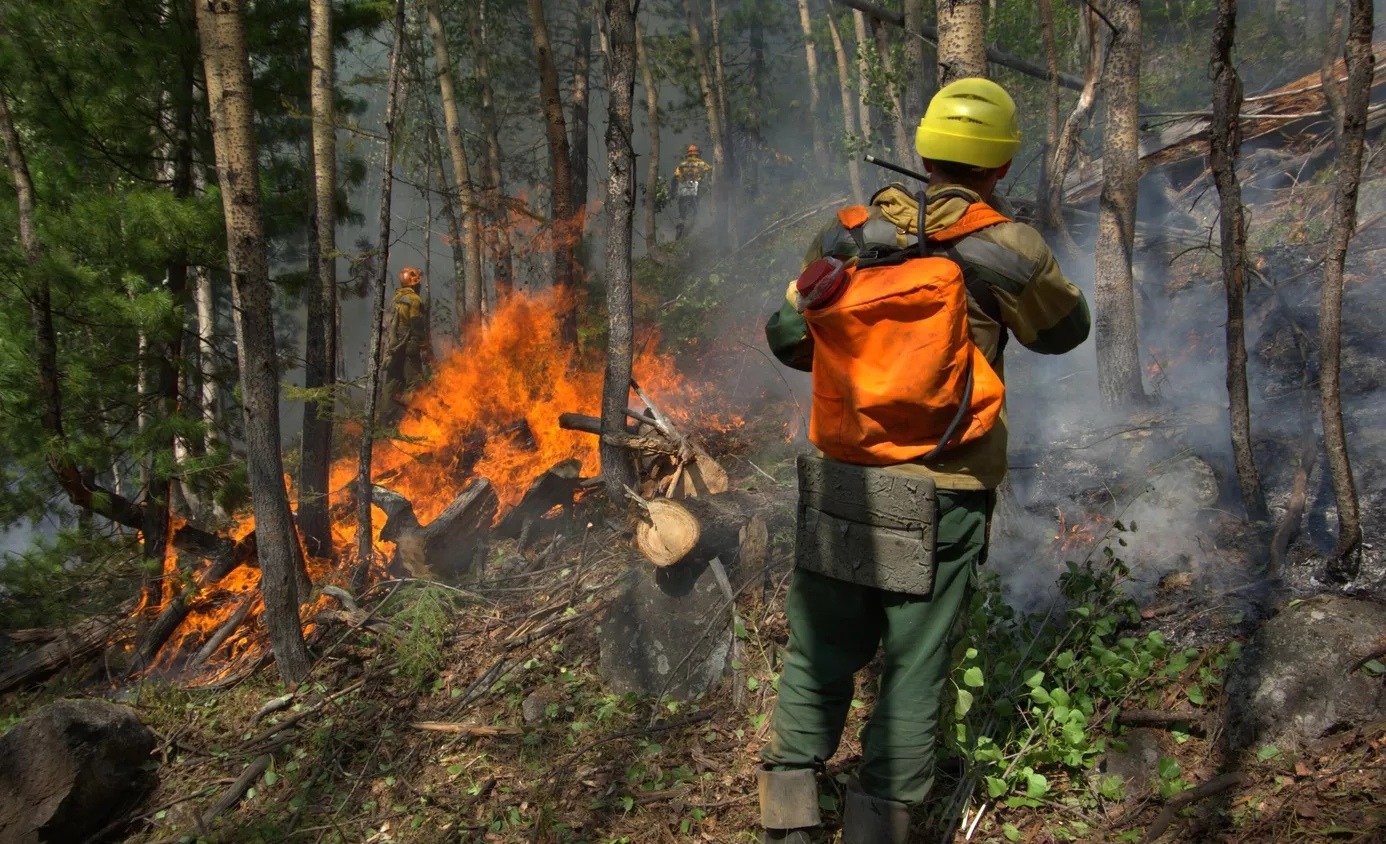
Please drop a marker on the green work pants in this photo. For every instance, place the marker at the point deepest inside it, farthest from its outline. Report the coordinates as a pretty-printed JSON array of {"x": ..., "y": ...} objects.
[{"x": 835, "y": 628}]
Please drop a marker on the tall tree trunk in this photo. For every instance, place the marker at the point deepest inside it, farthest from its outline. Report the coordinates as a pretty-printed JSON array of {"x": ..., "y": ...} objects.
[
  {"x": 1118, "y": 347},
  {"x": 204, "y": 300},
  {"x": 1045, "y": 212},
  {"x": 560, "y": 171},
  {"x": 916, "y": 99},
  {"x": 820, "y": 147},
  {"x": 729, "y": 178},
  {"x": 901, "y": 126},
  {"x": 365, "y": 548},
  {"x": 714, "y": 114},
  {"x": 1342, "y": 226},
  {"x": 451, "y": 213},
  {"x": 962, "y": 47},
  {"x": 647, "y": 79},
  {"x": 227, "y": 61},
  {"x": 497, "y": 216},
  {"x": 849, "y": 127},
  {"x": 1224, "y": 145},
  {"x": 582, "y": 66},
  {"x": 1052, "y": 197},
  {"x": 864, "y": 46},
  {"x": 470, "y": 303},
  {"x": 618, "y": 466},
  {"x": 321, "y": 349}
]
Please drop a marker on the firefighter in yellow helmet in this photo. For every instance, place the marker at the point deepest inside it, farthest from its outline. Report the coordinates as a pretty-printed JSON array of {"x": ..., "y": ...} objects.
[
  {"x": 406, "y": 345},
  {"x": 691, "y": 181},
  {"x": 859, "y": 586}
]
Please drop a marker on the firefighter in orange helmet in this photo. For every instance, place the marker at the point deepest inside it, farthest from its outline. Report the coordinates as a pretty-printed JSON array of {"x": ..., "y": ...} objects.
[
  {"x": 406, "y": 344},
  {"x": 690, "y": 182}
]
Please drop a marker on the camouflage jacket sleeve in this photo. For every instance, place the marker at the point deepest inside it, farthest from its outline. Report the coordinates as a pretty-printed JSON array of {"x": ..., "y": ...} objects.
[{"x": 1045, "y": 311}]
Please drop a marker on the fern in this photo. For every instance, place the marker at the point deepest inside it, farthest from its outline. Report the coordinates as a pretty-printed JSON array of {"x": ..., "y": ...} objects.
[{"x": 419, "y": 616}]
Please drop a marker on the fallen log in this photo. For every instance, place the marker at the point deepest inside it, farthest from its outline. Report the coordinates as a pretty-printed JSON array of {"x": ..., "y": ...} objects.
[
  {"x": 671, "y": 532},
  {"x": 695, "y": 471},
  {"x": 71, "y": 646},
  {"x": 448, "y": 545}
]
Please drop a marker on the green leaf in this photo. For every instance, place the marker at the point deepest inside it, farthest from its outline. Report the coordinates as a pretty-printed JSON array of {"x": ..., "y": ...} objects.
[
  {"x": 995, "y": 787},
  {"x": 963, "y": 704},
  {"x": 1371, "y": 666},
  {"x": 1168, "y": 767},
  {"x": 1064, "y": 660},
  {"x": 1267, "y": 752},
  {"x": 1036, "y": 785},
  {"x": 1035, "y": 678},
  {"x": 271, "y": 777},
  {"x": 1011, "y": 831},
  {"x": 1195, "y": 694},
  {"x": 973, "y": 677}
]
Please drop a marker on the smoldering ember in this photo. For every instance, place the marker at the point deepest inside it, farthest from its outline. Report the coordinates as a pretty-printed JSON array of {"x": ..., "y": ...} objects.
[{"x": 717, "y": 420}]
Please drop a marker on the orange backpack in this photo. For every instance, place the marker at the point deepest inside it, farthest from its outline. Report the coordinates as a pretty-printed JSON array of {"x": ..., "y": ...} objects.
[{"x": 896, "y": 376}]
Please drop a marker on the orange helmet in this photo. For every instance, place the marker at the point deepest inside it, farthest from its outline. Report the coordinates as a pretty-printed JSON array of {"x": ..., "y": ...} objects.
[
  {"x": 693, "y": 150},
  {"x": 409, "y": 277}
]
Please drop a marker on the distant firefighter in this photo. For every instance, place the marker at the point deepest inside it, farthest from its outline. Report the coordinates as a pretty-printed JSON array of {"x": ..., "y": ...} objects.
[
  {"x": 406, "y": 345},
  {"x": 690, "y": 179}
]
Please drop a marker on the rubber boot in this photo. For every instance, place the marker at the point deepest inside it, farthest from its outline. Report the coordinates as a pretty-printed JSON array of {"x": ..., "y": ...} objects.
[
  {"x": 788, "y": 806},
  {"x": 871, "y": 820}
]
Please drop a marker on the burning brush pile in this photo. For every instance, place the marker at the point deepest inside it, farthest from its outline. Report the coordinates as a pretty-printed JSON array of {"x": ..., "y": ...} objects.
[{"x": 497, "y": 444}]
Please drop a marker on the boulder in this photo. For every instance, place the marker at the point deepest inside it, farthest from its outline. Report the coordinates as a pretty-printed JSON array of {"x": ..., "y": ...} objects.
[
  {"x": 669, "y": 632},
  {"x": 1294, "y": 682},
  {"x": 71, "y": 769}
]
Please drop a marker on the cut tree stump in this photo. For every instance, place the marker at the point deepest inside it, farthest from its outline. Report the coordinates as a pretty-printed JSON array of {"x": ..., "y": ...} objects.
[
  {"x": 668, "y": 631},
  {"x": 448, "y": 545}
]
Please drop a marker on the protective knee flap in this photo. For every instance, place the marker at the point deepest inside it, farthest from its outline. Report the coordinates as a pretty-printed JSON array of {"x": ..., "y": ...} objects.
[
  {"x": 871, "y": 820},
  {"x": 788, "y": 799}
]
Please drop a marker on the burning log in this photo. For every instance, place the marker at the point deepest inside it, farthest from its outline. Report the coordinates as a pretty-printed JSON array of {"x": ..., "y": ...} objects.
[
  {"x": 556, "y": 487},
  {"x": 70, "y": 646},
  {"x": 446, "y": 545}
]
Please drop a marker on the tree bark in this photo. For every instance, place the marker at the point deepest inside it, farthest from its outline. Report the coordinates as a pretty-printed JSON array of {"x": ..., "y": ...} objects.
[
  {"x": 903, "y": 145},
  {"x": 498, "y": 223},
  {"x": 916, "y": 100},
  {"x": 1343, "y": 224},
  {"x": 227, "y": 62},
  {"x": 849, "y": 127},
  {"x": 820, "y": 148},
  {"x": 715, "y": 127},
  {"x": 647, "y": 79},
  {"x": 470, "y": 303},
  {"x": 1118, "y": 348},
  {"x": 320, "y": 352},
  {"x": 365, "y": 540},
  {"x": 1224, "y": 145},
  {"x": 962, "y": 50},
  {"x": 1047, "y": 212},
  {"x": 560, "y": 172},
  {"x": 582, "y": 66},
  {"x": 863, "y": 76},
  {"x": 618, "y": 464},
  {"x": 1057, "y": 166}
]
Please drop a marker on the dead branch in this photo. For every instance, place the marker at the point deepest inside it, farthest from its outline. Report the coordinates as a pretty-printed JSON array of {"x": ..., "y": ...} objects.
[
  {"x": 1184, "y": 799},
  {"x": 233, "y": 795},
  {"x": 459, "y": 728},
  {"x": 71, "y": 646}
]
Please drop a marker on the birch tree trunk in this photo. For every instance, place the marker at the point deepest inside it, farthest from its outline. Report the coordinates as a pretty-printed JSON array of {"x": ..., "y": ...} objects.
[
  {"x": 1045, "y": 212},
  {"x": 560, "y": 172},
  {"x": 1224, "y": 145},
  {"x": 863, "y": 75},
  {"x": 227, "y": 66},
  {"x": 1057, "y": 167},
  {"x": 469, "y": 305},
  {"x": 848, "y": 123},
  {"x": 1118, "y": 347},
  {"x": 365, "y": 537},
  {"x": 321, "y": 348},
  {"x": 497, "y": 217},
  {"x": 618, "y": 466},
  {"x": 647, "y": 79},
  {"x": 915, "y": 99},
  {"x": 582, "y": 65},
  {"x": 902, "y": 129},
  {"x": 705, "y": 85},
  {"x": 820, "y": 147},
  {"x": 1342, "y": 226},
  {"x": 962, "y": 49}
]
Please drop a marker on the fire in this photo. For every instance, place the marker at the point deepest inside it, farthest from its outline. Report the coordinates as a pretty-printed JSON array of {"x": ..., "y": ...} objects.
[{"x": 489, "y": 410}]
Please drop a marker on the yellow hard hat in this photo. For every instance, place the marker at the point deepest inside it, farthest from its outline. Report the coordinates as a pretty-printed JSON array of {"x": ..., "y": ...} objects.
[
  {"x": 970, "y": 121},
  {"x": 693, "y": 150},
  {"x": 409, "y": 277}
]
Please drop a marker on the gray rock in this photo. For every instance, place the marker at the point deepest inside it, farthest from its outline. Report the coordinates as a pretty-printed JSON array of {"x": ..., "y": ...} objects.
[
  {"x": 1292, "y": 683},
  {"x": 668, "y": 632},
  {"x": 1137, "y": 762},
  {"x": 70, "y": 769}
]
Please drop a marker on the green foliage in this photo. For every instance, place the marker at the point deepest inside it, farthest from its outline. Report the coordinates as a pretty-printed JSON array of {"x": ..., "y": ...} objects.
[
  {"x": 1033, "y": 692},
  {"x": 72, "y": 574},
  {"x": 419, "y": 614}
]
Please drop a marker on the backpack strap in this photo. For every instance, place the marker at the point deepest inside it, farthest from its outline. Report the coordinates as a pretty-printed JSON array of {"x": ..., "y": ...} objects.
[{"x": 978, "y": 216}]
